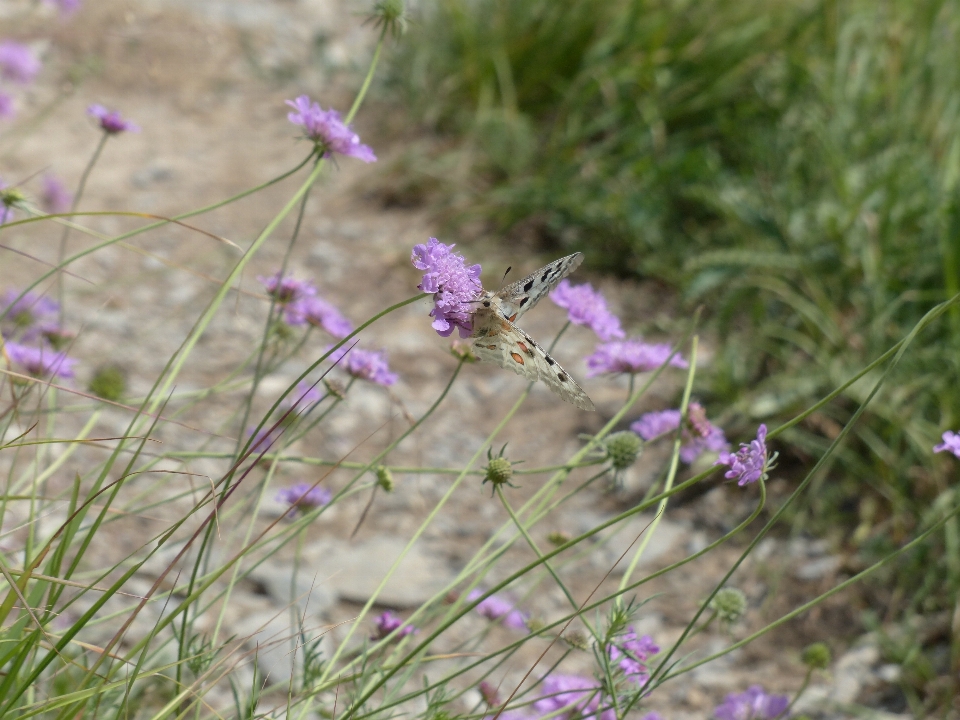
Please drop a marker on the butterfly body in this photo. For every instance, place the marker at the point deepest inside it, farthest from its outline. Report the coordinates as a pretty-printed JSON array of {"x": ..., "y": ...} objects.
[{"x": 498, "y": 340}]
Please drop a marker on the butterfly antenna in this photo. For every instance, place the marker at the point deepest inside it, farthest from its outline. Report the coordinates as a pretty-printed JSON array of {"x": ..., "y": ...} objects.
[{"x": 504, "y": 278}]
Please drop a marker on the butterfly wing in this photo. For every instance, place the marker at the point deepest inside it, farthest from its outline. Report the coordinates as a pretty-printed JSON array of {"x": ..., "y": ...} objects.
[
  {"x": 517, "y": 298},
  {"x": 511, "y": 348}
]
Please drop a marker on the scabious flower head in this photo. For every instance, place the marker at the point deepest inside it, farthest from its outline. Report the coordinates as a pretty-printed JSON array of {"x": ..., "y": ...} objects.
[
  {"x": 29, "y": 315},
  {"x": 10, "y": 197},
  {"x": 304, "y": 497},
  {"x": 287, "y": 290},
  {"x": 699, "y": 435},
  {"x": 110, "y": 120},
  {"x": 586, "y": 306},
  {"x": 327, "y": 130},
  {"x": 263, "y": 439},
  {"x": 752, "y": 704},
  {"x": 368, "y": 365},
  {"x": 7, "y": 108},
  {"x": 750, "y": 463},
  {"x": 17, "y": 62},
  {"x": 631, "y": 653},
  {"x": 729, "y": 604},
  {"x": 631, "y": 356},
  {"x": 318, "y": 312},
  {"x": 55, "y": 197},
  {"x": 454, "y": 286},
  {"x": 388, "y": 622},
  {"x": 304, "y": 396},
  {"x": 497, "y": 608},
  {"x": 579, "y": 696},
  {"x": 951, "y": 443},
  {"x": 40, "y": 362}
]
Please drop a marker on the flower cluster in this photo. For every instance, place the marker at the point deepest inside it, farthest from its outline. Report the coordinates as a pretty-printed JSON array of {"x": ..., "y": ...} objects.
[
  {"x": 388, "y": 622},
  {"x": 562, "y": 697},
  {"x": 327, "y": 130},
  {"x": 752, "y": 704},
  {"x": 301, "y": 305},
  {"x": 631, "y": 654},
  {"x": 586, "y": 306},
  {"x": 497, "y": 608},
  {"x": 698, "y": 435},
  {"x": 454, "y": 286},
  {"x": 18, "y": 66},
  {"x": 631, "y": 356},
  {"x": 55, "y": 198},
  {"x": 111, "y": 121},
  {"x": 369, "y": 365},
  {"x": 304, "y": 497},
  {"x": 751, "y": 462},
  {"x": 31, "y": 335}
]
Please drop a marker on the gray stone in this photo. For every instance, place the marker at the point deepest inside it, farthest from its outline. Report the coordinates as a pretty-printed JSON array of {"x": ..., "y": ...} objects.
[
  {"x": 819, "y": 568},
  {"x": 354, "y": 570},
  {"x": 277, "y": 580}
]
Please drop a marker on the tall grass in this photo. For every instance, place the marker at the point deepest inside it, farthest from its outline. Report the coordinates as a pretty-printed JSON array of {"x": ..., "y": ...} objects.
[{"x": 791, "y": 166}]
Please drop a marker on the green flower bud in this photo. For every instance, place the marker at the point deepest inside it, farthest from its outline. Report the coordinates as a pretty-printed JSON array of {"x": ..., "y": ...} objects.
[
  {"x": 730, "y": 604},
  {"x": 109, "y": 383},
  {"x": 499, "y": 471},
  {"x": 558, "y": 538},
  {"x": 385, "y": 478},
  {"x": 622, "y": 449},
  {"x": 816, "y": 656},
  {"x": 391, "y": 15}
]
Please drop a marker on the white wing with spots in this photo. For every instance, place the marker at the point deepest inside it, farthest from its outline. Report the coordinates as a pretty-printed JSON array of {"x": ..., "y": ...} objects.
[{"x": 517, "y": 298}]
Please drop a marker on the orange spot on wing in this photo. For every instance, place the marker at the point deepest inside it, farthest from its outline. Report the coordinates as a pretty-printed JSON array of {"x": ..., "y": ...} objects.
[
  {"x": 517, "y": 357},
  {"x": 512, "y": 317}
]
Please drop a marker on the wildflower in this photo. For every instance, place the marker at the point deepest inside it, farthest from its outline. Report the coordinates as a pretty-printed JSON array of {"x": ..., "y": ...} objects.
[
  {"x": 698, "y": 436},
  {"x": 499, "y": 469},
  {"x": 322, "y": 314},
  {"x": 631, "y": 356},
  {"x": 304, "y": 497},
  {"x": 385, "y": 478},
  {"x": 110, "y": 120},
  {"x": 750, "y": 462},
  {"x": 291, "y": 294},
  {"x": 66, "y": 7},
  {"x": 729, "y": 604},
  {"x": 631, "y": 653},
  {"x": 622, "y": 449},
  {"x": 579, "y": 696},
  {"x": 40, "y": 362},
  {"x": 327, "y": 130},
  {"x": 453, "y": 285},
  {"x": 7, "y": 110},
  {"x": 816, "y": 656},
  {"x": 10, "y": 197},
  {"x": 368, "y": 365},
  {"x": 55, "y": 197},
  {"x": 586, "y": 306},
  {"x": 29, "y": 315},
  {"x": 17, "y": 62},
  {"x": 390, "y": 14},
  {"x": 489, "y": 694},
  {"x": 497, "y": 608},
  {"x": 753, "y": 704},
  {"x": 951, "y": 443},
  {"x": 304, "y": 397},
  {"x": 388, "y": 622},
  {"x": 263, "y": 438}
]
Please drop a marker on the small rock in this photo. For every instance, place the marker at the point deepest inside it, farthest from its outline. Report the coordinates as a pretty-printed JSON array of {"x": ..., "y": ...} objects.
[
  {"x": 277, "y": 580},
  {"x": 819, "y": 568},
  {"x": 354, "y": 571}
]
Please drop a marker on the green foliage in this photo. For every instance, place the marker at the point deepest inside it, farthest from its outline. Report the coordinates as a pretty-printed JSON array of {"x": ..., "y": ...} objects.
[{"x": 792, "y": 166}]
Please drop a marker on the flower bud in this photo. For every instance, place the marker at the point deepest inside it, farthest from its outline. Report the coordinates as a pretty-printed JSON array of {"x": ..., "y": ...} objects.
[
  {"x": 729, "y": 603},
  {"x": 385, "y": 478},
  {"x": 622, "y": 449},
  {"x": 816, "y": 656}
]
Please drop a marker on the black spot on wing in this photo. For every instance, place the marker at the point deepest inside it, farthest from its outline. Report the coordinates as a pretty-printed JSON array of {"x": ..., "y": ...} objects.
[
  {"x": 543, "y": 278},
  {"x": 561, "y": 377},
  {"x": 550, "y": 360},
  {"x": 526, "y": 288},
  {"x": 527, "y": 298}
]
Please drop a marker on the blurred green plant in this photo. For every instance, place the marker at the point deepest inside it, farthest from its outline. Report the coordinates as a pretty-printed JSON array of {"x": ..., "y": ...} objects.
[{"x": 792, "y": 166}]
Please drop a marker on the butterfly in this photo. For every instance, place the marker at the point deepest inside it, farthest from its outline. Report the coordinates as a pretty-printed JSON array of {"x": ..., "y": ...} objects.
[{"x": 498, "y": 340}]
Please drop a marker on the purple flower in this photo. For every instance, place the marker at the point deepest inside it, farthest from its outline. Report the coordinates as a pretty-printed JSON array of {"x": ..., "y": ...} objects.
[
  {"x": 327, "y": 130},
  {"x": 366, "y": 364},
  {"x": 110, "y": 120},
  {"x": 66, "y": 7},
  {"x": 453, "y": 285},
  {"x": 631, "y": 356},
  {"x": 305, "y": 396},
  {"x": 7, "y": 109},
  {"x": 750, "y": 462},
  {"x": 496, "y": 608},
  {"x": 631, "y": 653},
  {"x": 263, "y": 439},
  {"x": 579, "y": 696},
  {"x": 30, "y": 315},
  {"x": 41, "y": 362},
  {"x": 17, "y": 62},
  {"x": 55, "y": 197},
  {"x": 586, "y": 306},
  {"x": 698, "y": 435},
  {"x": 388, "y": 622},
  {"x": 324, "y": 315},
  {"x": 951, "y": 443},
  {"x": 304, "y": 497},
  {"x": 753, "y": 704}
]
